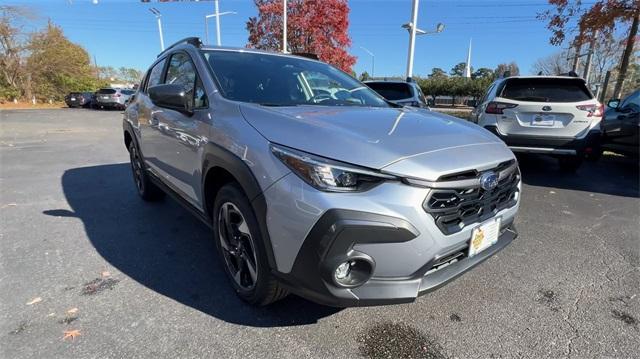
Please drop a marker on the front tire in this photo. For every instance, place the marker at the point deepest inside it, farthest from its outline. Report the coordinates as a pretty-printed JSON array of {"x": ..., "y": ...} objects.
[
  {"x": 147, "y": 190},
  {"x": 241, "y": 248}
]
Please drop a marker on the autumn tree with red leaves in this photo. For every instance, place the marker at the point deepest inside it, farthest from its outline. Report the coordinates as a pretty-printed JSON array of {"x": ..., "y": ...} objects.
[
  {"x": 602, "y": 16},
  {"x": 313, "y": 26}
]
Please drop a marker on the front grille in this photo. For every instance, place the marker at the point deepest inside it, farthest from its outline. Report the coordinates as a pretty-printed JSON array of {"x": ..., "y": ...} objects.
[{"x": 455, "y": 208}]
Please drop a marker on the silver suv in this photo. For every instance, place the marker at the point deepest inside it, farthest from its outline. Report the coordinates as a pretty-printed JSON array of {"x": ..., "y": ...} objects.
[{"x": 314, "y": 184}]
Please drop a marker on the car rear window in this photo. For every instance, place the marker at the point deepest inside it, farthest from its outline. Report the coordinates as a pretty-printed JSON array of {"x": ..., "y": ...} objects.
[
  {"x": 128, "y": 92},
  {"x": 106, "y": 91},
  {"x": 391, "y": 91},
  {"x": 546, "y": 90}
]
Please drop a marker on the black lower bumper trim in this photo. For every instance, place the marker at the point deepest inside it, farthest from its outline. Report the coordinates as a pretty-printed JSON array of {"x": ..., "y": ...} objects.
[
  {"x": 331, "y": 241},
  {"x": 592, "y": 139}
]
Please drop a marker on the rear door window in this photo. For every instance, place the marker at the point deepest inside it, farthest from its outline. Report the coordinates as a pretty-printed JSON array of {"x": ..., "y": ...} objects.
[
  {"x": 391, "y": 91},
  {"x": 546, "y": 90}
]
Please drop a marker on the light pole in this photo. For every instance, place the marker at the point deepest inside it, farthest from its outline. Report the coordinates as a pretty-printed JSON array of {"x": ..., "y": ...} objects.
[
  {"x": 284, "y": 26},
  {"x": 217, "y": 15},
  {"x": 373, "y": 59},
  {"x": 158, "y": 15},
  {"x": 412, "y": 27}
]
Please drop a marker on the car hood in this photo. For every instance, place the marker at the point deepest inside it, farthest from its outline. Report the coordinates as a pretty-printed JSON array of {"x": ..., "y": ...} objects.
[{"x": 366, "y": 136}]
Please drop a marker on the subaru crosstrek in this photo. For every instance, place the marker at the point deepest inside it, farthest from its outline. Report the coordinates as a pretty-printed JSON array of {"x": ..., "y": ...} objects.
[
  {"x": 554, "y": 115},
  {"x": 314, "y": 184}
]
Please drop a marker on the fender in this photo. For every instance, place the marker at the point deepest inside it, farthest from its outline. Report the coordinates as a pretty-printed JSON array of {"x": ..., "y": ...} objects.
[{"x": 217, "y": 156}]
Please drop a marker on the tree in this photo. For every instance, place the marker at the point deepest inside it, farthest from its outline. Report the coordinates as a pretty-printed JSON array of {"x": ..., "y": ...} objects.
[
  {"x": 483, "y": 73},
  {"x": 459, "y": 69},
  {"x": 437, "y": 72},
  {"x": 58, "y": 66},
  {"x": 512, "y": 69},
  {"x": 365, "y": 76},
  {"x": 313, "y": 26},
  {"x": 601, "y": 16},
  {"x": 13, "y": 76},
  {"x": 553, "y": 64}
]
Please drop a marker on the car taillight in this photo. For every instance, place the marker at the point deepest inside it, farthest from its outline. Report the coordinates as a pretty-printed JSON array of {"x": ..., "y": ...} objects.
[
  {"x": 497, "y": 107},
  {"x": 593, "y": 110}
]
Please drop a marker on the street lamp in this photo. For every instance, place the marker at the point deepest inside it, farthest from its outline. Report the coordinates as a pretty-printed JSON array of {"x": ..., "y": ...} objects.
[
  {"x": 158, "y": 15},
  {"x": 373, "y": 59},
  {"x": 413, "y": 31},
  {"x": 217, "y": 16}
]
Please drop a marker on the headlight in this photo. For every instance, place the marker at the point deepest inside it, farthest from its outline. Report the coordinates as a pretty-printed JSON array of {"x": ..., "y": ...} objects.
[{"x": 328, "y": 175}]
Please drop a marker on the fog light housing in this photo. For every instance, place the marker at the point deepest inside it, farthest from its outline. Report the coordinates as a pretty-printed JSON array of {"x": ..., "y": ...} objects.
[
  {"x": 353, "y": 273},
  {"x": 342, "y": 271}
]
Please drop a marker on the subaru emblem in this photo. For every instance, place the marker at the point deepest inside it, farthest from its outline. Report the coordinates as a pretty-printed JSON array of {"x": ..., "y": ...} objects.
[
  {"x": 546, "y": 108},
  {"x": 489, "y": 180}
]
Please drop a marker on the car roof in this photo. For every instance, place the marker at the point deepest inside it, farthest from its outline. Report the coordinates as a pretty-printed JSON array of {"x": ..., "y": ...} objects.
[
  {"x": 248, "y": 50},
  {"x": 543, "y": 77}
]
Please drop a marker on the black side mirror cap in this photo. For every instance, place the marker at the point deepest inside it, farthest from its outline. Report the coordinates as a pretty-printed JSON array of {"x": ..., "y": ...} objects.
[{"x": 171, "y": 96}]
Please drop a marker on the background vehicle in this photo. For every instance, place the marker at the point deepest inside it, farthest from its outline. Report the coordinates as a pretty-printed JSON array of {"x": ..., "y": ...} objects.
[
  {"x": 401, "y": 92},
  {"x": 113, "y": 98},
  {"x": 555, "y": 115},
  {"x": 621, "y": 125},
  {"x": 363, "y": 209},
  {"x": 78, "y": 99}
]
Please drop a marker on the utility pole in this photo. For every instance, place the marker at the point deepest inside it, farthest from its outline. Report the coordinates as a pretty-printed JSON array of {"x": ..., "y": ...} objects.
[
  {"x": 217, "y": 15},
  {"x": 373, "y": 59},
  {"x": 587, "y": 66},
  {"x": 158, "y": 15},
  {"x": 578, "y": 46},
  {"x": 412, "y": 37},
  {"x": 284, "y": 26},
  {"x": 467, "y": 70}
]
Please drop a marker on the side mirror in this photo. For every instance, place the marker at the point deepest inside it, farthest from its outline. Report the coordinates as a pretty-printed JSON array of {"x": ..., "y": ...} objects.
[
  {"x": 614, "y": 103},
  {"x": 173, "y": 97}
]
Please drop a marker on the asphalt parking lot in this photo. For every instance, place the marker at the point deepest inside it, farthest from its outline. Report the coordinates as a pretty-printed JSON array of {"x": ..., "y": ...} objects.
[{"x": 80, "y": 251}]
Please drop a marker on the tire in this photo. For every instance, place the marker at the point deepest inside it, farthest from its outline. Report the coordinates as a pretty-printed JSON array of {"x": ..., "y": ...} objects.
[
  {"x": 236, "y": 234},
  {"x": 570, "y": 163},
  {"x": 147, "y": 190}
]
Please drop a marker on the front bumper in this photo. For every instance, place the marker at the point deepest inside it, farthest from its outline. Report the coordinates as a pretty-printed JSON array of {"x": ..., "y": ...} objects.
[
  {"x": 550, "y": 145},
  {"x": 336, "y": 237}
]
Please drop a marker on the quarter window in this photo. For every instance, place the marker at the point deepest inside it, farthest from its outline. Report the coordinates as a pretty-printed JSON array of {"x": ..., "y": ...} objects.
[{"x": 155, "y": 76}]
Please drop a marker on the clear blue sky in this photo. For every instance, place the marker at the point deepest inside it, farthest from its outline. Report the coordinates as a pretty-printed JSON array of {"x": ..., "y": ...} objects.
[{"x": 124, "y": 33}]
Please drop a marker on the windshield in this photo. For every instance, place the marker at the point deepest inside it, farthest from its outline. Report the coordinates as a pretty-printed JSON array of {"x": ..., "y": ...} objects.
[
  {"x": 391, "y": 90},
  {"x": 273, "y": 80},
  {"x": 546, "y": 90}
]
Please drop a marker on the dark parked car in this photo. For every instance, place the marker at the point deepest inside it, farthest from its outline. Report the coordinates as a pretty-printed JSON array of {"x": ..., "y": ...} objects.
[
  {"x": 405, "y": 93},
  {"x": 621, "y": 125},
  {"x": 78, "y": 99}
]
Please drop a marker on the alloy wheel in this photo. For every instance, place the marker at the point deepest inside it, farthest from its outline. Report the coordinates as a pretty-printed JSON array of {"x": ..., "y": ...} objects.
[
  {"x": 136, "y": 168},
  {"x": 237, "y": 245}
]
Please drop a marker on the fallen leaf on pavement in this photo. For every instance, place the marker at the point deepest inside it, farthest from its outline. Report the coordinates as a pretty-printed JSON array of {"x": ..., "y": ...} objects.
[
  {"x": 106, "y": 273},
  {"x": 71, "y": 334},
  {"x": 34, "y": 301},
  {"x": 72, "y": 310}
]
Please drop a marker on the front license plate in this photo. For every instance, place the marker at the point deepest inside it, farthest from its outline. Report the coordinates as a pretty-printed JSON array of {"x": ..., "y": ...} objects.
[
  {"x": 484, "y": 236},
  {"x": 543, "y": 120},
  {"x": 73, "y": 98}
]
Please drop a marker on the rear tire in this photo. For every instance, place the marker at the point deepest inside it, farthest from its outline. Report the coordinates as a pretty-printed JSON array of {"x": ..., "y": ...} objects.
[
  {"x": 570, "y": 163},
  {"x": 147, "y": 190},
  {"x": 242, "y": 249}
]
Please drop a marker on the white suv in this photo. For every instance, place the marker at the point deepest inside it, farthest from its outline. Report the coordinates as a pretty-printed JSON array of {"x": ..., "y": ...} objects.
[{"x": 554, "y": 115}]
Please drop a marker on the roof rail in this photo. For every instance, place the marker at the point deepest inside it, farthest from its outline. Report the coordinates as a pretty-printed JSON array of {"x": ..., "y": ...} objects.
[{"x": 195, "y": 41}]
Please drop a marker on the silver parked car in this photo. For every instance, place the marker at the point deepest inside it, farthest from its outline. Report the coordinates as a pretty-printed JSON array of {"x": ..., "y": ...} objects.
[
  {"x": 331, "y": 193},
  {"x": 113, "y": 98}
]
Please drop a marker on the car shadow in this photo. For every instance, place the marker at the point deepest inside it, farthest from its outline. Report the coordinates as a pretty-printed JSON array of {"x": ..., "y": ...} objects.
[
  {"x": 612, "y": 174},
  {"x": 166, "y": 249}
]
